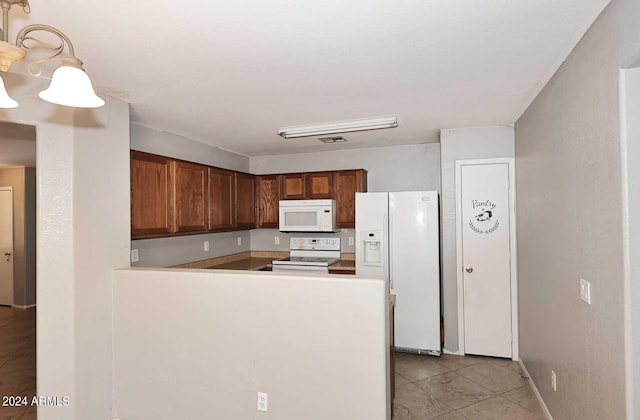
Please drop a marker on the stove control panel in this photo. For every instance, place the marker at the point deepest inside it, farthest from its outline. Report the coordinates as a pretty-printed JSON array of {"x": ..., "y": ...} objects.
[{"x": 318, "y": 244}]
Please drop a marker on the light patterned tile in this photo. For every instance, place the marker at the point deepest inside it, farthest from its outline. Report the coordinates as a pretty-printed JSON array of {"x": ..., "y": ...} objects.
[
  {"x": 414, "y": 367},
  {"x": 455, "y": 390},
  {"x": 412, "y": 403},
  {"x": 494, "y": 377},
  {"x": 401, "y": 380},
  {"x": 498, "y": 408},
  {"x": 525, "y": 398},
  {"x": 455, "y": 362},
  {"x": 454, "y": 415}
]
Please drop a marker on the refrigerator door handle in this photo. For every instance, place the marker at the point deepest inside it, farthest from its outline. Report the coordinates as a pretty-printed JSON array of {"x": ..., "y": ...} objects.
[{"x": 389, "y": 250}]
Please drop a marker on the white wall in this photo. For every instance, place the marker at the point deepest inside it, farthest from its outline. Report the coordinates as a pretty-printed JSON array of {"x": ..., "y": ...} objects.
[
  {"x": 400, "y": 168},
  {"x": 204, "y": 343},
  {"x": 570, "y": 224},
  {"x": 83, "y": 234},
  {"x": 630, "y": 107},
  {"x": 459, "y": 144},
  {"x": 163, "y": 252},
  {"x": 166, "y": 144}
]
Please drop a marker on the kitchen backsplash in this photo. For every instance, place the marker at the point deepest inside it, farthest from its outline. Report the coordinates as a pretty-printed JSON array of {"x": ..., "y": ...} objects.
[{"x": 163, "y": 252}]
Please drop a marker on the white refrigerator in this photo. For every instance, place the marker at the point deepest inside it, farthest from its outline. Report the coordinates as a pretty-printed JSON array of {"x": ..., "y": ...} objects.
[{"x": 398, "y": 237}]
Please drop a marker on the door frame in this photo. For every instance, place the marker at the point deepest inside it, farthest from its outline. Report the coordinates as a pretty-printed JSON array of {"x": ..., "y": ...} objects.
[
  {"x": 515, "y": 349},
  {"x": 13, "y": 245}
]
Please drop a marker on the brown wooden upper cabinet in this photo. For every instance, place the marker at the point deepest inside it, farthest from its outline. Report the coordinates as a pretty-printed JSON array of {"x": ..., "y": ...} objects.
[
  {"x": 151, "y": 195},
  {"x": 293, "y": 186},
  {"x": 346, "y": 184},
  {"x": 306, "y": 186},
  {"x": 268, "y": 200},
  {"x": 192, "y": 197},
  {"x": 245, "y": 201},
  {"x": 222, "y": 199},
  {"x": 173, "y": 197},
  {"x": 319, "y": 185}
]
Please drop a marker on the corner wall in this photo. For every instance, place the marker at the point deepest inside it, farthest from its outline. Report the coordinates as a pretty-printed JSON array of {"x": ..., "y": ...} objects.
[
  {"x": 83, "y": 234},
  {"x": 570, "y": 224},
  {"x": 458, "y": 144}
]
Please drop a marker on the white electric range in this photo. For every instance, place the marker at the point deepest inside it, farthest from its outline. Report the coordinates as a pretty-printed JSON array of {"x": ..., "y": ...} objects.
[{"x": 310, "y": 254}]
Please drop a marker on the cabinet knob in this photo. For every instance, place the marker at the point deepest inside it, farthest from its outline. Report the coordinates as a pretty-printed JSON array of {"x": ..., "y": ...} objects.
[{"x": 469, "y": 269}]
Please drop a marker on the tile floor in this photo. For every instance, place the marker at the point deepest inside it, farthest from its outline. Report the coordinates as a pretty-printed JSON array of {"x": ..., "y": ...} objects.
[
  {"x": 444, "y": 388},
  {"x": 17, "y": 360},
  {"x": 462, "y": 387}
]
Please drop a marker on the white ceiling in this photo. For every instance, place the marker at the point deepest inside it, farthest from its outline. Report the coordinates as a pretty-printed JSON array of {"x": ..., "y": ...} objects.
[{"x": 231, "y": 72}]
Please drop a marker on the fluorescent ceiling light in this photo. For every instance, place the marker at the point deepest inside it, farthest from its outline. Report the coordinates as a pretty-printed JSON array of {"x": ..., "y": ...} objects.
[{"x": 339, "y": 127}]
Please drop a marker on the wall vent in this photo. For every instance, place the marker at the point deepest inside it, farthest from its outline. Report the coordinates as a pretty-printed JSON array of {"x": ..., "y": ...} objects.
[{"x": 335, "y": 139}]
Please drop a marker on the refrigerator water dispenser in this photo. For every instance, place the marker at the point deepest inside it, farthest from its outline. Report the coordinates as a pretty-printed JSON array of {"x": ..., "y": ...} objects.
[{"x": 372, "y": 246}]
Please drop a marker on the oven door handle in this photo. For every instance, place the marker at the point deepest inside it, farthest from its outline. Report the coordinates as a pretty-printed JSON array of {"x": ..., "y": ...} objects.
[{"x": 297, "y": 268}]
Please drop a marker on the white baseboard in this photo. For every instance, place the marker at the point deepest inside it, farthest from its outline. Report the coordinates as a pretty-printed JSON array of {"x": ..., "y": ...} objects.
[
  {"x": 23, "y": 306},
  {"x": 456, "y": 353},
  {"x": 547, "y": 414}
]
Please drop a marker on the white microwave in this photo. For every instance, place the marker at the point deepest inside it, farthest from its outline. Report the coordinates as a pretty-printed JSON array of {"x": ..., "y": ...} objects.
[{"x": 308, "y": 216}]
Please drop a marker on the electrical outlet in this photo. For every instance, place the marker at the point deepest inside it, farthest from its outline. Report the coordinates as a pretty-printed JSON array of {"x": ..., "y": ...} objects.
[
  {"x": 263, "y": 401},
  {"x": 554, "y": 381},
  {"x": 206, "y": 246},
  {"x": 239, "y": 241},
  {"x": 585, "y": 291},
  {"x": 134, "y": 255},
  {"x": 276, "y": 240},
  {"x": 351, "y": 240}
]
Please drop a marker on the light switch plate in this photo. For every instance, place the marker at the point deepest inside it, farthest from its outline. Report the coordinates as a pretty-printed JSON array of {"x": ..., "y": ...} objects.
[
  {"x": 276, "y": 240},
  {"x": 134, "y": 255},
  {"x": 239, "y": 241},
  {"x": 585, "y": 291},
  {"x": 206, "y": 246}
]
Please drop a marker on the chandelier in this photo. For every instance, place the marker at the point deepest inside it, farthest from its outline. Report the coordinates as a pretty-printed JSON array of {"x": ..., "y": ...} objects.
[{"x": 70, "y": 85}]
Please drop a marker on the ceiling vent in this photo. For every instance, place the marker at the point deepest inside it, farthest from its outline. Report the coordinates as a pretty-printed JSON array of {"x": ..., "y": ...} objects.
[{"x": 337, "y": 139}]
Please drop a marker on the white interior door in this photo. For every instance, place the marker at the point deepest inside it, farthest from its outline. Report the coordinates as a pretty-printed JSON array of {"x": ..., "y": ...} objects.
[
  {"x": 484, "y": 219},
  {"x": 6, "y": 246}
]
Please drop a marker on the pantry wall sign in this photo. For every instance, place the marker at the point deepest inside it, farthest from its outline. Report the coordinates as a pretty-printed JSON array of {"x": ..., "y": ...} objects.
[{"x": 484, "y": 220}]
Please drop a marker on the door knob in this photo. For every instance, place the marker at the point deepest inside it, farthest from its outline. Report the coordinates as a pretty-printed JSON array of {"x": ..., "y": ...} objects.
[{"x": 469, "y": 269}]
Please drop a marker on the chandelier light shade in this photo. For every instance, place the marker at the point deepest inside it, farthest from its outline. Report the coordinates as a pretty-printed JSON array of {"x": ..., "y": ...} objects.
[
  {"x": 70, "y": 84},
  {"x": 5, "y": 100},
  {"x": 338, "y": 127}
]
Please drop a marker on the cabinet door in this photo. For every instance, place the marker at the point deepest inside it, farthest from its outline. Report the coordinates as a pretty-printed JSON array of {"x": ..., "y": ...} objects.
[
  {"x": 346, "y": 184},
  {"x": 268, "y": 197},
  {"x": 293, "y": 187},
  {"x": 151, "y": 195},
  {"x": 191, "y": 193},
  {"x": 320, "y": 185},
  {"x": 245, "y": 201},
  {"x": 222, "y": 198}
]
